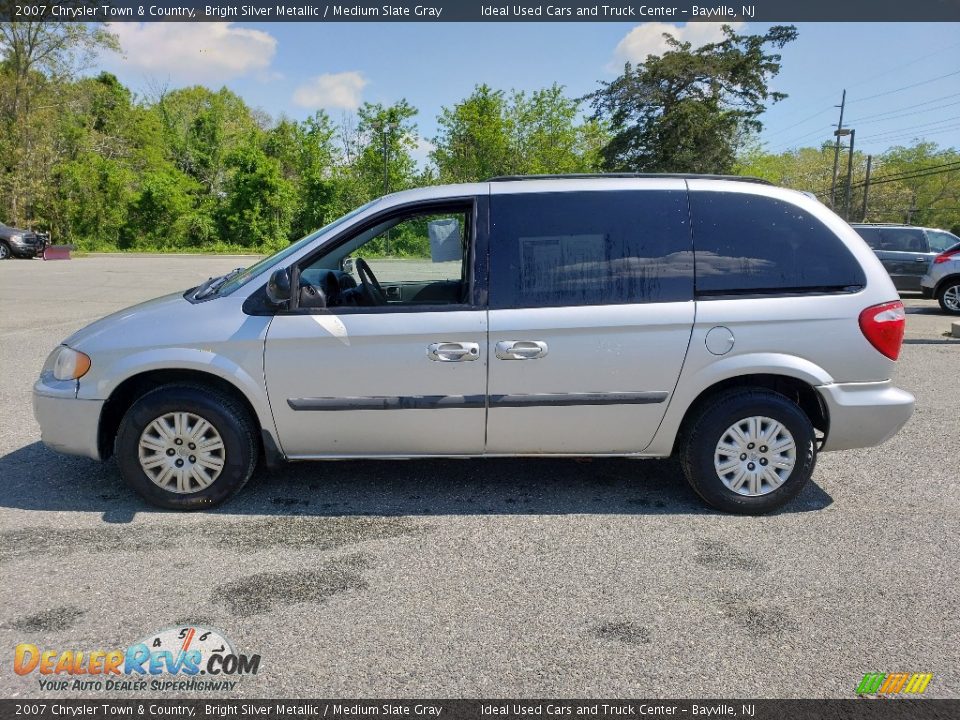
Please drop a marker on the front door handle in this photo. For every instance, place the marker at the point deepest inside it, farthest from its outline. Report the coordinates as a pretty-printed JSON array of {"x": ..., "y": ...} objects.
[
  {"x": 453, "y": 351},
  {"x": 521, "y": 349}
]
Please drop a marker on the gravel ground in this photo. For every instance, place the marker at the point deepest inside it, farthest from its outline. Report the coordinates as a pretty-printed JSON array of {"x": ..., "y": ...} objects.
[{"x": 483, "y": 578}]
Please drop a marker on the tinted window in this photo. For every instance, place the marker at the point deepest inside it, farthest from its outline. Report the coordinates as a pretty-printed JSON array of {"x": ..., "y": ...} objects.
[
  {"x": 590, "y": 248},
  {"x": 871, "y": 235},
  {"x": 749, "y": 243},
  {"x": 903, "y": 240}
]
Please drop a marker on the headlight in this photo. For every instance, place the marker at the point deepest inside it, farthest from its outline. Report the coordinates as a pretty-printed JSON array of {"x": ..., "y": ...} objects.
[
  {"x": 70, "y": 364},
  {"x": 16, "y": 238}
]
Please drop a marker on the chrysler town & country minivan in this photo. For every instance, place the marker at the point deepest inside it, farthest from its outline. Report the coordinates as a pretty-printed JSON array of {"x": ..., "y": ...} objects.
[{"x": 740, "y": 327}]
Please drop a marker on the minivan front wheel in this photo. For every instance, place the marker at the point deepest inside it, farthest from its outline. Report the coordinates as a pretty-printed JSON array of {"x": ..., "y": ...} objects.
[
  {"x": 186, "y": 447},
  {"x": 749, "y": 451}
]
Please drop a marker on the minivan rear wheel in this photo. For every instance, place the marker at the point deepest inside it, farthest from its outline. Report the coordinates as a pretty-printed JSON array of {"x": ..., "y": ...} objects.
[
  {"x": 749, "y": 451},
  {"x": 949, "y": 296},
  {"x": 185, "y": 447}
]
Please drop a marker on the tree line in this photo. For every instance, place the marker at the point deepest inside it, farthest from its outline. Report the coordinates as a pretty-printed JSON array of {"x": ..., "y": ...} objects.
[{"x": 193, "y": 168}]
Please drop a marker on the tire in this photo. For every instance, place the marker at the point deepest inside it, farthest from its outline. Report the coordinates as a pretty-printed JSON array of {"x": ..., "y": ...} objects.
[
  {"x": 149, "y": 432},
  {"x": 5, "y": 252},
  {"x": 949, "y": 296},
  {"x": 702, "y": 456}
]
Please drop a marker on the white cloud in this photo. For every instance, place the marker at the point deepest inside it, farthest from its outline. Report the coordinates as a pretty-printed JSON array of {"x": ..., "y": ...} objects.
[
  {"x": 340, "y": 91},
  {"x": 421, "y": 153},
  {"x": 195, "y": 52},
  {"x": 647, "y": 39}
]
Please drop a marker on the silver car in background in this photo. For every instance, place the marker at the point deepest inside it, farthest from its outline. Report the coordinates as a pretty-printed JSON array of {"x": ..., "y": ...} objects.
[
  {"x": 942, "y": 280},
  {"x": 740, "y": 327}
]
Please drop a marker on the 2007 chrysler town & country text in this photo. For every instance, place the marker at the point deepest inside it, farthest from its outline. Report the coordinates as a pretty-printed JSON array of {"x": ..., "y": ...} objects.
[{"x": 741, "y": 326}]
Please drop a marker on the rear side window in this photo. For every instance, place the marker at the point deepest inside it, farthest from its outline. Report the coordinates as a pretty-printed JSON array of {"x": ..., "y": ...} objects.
[
  {"x": 903, "y": 240},
  {"x": 940, "y": 241},
  {"x": 590, "y": 248},
  {"x": 750, "y": 244}
]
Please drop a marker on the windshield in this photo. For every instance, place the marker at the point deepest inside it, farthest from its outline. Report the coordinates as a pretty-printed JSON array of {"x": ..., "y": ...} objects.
[{"x": 267, "y": 263}]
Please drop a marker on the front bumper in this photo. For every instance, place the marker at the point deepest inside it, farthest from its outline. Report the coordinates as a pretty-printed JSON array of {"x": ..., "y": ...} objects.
[
  {"x": 67, "y": 425},
  {"x": 864, "y": 414},
  {"x": 28, "y": 249}
]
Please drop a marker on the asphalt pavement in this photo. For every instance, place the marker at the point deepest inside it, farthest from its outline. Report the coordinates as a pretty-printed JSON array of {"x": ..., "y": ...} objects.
[{"x": 482, "y": 578}]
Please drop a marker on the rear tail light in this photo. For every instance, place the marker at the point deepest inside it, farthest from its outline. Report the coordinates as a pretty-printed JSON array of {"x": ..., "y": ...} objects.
[
  {"x": 946, "y": 255},
  {"x": 883, "y": 326}
]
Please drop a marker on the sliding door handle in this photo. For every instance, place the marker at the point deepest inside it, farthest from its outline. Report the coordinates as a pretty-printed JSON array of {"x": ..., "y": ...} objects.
[{"x": 521, "y": 349}]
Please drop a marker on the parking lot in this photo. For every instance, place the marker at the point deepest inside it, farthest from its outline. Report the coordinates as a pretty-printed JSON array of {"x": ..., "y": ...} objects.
[{"x": 483, "y": 578}]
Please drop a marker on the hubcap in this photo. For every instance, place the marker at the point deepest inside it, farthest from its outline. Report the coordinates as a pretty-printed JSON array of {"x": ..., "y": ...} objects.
[
  {"x": 181, "y": 452},
  {"x": 3, "y": 252},
  {"x": 755, "y": 456},
  {"x": 951, "y": 298}
]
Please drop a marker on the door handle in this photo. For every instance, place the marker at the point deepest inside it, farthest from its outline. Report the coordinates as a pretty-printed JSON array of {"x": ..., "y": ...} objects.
[
  {"x": 923, "y": 260},
  {"x": 453, "y": 351},
  {"x": 521, "y": 349}
]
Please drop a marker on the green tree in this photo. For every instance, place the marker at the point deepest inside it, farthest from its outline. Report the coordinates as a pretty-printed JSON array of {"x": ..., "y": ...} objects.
[
  {"x": 473, "y": 142},
  {"x": 36, "y": 60},
  {"x": 493, "y": 133},
  {"x": 386, "y": 136},
  {"x": 689, "y": 110},
  {"x": 259, "y": 200}
]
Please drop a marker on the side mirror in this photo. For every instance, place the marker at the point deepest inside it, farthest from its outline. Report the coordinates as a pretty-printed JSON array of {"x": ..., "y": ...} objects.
[{"x": 279, "y": 287}]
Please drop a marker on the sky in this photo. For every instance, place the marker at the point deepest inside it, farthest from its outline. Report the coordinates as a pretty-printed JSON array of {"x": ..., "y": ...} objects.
[{"x": 902, "y": 79}]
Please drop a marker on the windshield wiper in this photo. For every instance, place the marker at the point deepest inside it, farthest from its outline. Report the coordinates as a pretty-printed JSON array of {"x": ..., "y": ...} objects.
[{"x": 211, "y": 285}]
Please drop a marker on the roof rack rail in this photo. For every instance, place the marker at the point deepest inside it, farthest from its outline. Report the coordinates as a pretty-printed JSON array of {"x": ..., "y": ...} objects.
[{"x": 588, "y": 176}]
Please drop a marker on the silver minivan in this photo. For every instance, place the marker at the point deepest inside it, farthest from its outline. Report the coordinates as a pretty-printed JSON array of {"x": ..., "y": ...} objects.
[{"x": 740, "y": 327}]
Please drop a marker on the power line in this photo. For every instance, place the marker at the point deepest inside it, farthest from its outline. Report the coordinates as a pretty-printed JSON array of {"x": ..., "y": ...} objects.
[
  {"x": 912, "y": 134},
  {"x": 906, "y": 87},
  {"x": 949, "y": 167},
  {"x": 900, "y": 66},
  {"x": 953, "y": 164},
  {"x": 909, "y": 177},
  {"x": 911, "y": 128},
  {"x": 784, "y": 146},
  {"x": 797, "y": 124},
  {"x": 870, "y": 119}
]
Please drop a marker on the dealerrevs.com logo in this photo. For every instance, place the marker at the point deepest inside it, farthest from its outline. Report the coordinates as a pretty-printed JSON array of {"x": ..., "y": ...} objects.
[{"x": 183, "y": 658}]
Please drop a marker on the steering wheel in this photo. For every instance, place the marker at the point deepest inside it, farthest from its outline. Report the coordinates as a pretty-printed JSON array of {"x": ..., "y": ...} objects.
[{"x": 372, "y": 290}]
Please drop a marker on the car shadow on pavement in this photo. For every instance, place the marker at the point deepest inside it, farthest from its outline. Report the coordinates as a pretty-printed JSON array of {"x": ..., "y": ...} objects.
[{"x": 35, "y": 478}]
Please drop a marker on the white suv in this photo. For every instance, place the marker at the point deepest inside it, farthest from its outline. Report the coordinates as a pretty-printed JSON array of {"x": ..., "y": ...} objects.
[{"x": 739, "y": 326}]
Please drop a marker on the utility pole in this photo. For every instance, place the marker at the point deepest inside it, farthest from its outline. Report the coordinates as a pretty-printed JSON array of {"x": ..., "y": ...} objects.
[
  {"x": 846, "y": 202},
  {"x": 866, "y": 190},
  {"x": 836, "y": 154}
]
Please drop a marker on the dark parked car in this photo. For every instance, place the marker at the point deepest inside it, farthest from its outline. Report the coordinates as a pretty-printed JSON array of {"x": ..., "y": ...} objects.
[
  {"x": 905, "y": 251},
  {"x": 15, "y": 242}
]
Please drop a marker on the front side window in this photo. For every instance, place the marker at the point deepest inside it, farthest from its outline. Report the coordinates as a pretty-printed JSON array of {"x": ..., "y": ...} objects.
[
  {"x": 420, "y": 258},
  {"x": 872, "y": 236},
  {"x": 749, "y": 244},
  {"x": 589, "y": 248}
]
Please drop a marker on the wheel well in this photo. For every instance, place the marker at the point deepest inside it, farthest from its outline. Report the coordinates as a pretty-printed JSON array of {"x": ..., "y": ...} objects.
[
  {"x": 133, "y": 388},
  {"x": 943, "y": 283},
  {"x": 802, "y": 394}
]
